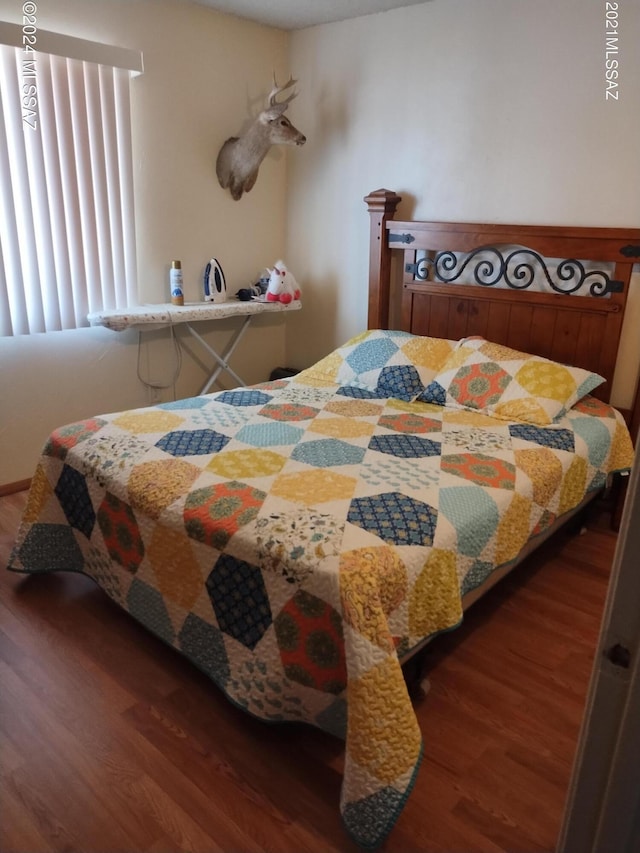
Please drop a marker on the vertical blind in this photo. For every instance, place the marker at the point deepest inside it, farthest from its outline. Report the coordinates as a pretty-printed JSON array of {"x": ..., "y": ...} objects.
[{"x": 67, "y": 240}]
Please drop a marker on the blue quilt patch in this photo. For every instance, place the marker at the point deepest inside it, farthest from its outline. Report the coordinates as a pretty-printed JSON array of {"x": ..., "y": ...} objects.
[
  {"x": 327, "y": 452},
  {"x": 404, "y": 446},
  {"x": 71, "y": 490},
  {"x": 146, "y": 605},
  {"x": 358, "y": 393},
  {"x": 371, "y": 354},
  {"x": 477, "y": 574},
  {"x": 195, "y": 442},
  {"x": 51, "y": 548},
  {"x": 239, "y": 599},
  {"x": 243, "y": 398},
  {"x": 473, "y": 513},
  {"x": 204, "y": 645},
  {"x": 597, "y": 438},
  {"x": 269, "y": 434},
  {"x": 399, "y": 380},
  {"x": 187, "y": 403},
  {"x": 395, "y": 518},
  {"x": 433, "y": 393},
  {"x": 368, "y": 819},
  {"x": 559, "y": 439}
]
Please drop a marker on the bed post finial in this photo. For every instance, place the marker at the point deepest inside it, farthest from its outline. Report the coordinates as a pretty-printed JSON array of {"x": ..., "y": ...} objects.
[{"x": 382, "y": 205}]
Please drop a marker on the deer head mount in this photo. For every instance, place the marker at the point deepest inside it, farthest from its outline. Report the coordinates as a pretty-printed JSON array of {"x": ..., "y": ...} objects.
[{"x": 240, "y": 157}]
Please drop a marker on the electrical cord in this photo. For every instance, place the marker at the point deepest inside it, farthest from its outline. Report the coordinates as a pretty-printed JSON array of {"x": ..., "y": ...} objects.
[{"x": 158, "y": 386}]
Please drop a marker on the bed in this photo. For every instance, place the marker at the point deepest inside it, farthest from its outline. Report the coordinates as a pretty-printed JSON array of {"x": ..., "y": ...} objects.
[{"x": 299, "y": 539}]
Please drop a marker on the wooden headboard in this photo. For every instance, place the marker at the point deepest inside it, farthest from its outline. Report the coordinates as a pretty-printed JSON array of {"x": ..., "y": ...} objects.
[{"x": 576, "y": 319}]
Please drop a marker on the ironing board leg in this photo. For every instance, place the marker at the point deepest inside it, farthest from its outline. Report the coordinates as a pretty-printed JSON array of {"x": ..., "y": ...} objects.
[{"x": 222, "y": 359}]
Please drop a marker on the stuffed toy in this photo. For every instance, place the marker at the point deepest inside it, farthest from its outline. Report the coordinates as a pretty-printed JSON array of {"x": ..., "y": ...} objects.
[{"x": 282, "y": 285}]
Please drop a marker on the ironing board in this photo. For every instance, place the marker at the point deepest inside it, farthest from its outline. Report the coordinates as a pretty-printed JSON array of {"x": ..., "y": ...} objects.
[{"x": 165, "y": 314}]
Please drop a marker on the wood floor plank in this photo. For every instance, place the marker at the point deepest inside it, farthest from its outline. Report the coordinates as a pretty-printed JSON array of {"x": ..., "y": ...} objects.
[
  {"x": 496, "y": 825},
  {"x": 69, "y": 780},
  {"x": 241, "y": 801},
  {"x": 18, "y": 832},
  {"x": 276, "y": 767},
  {"x": 28, "y": 824},
  {"x": 78, "y": 619}
]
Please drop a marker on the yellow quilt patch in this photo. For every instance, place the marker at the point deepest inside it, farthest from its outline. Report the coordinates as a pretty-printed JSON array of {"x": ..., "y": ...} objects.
[
  {"x": 175, "y": 566},
  {"x": 513, "y": 530},
  {"x": 546, "y": 379},
  {"x": 245, "y": 464},
  {"x": 384, "y": 736},
  {"x": 428, "y": 352},
  {"x": 373, "y": 582},
  {"x": 153, "y": 486},
  {"x": 544, "y": 469},
  {"x": 148, "y": 421},
  {"x": 311, "y": 487},
  {"x": 435, "y": 598},
  {"x": 39, "y": 493},
  {"x": 341, "y": 427},
  {"x": 574, "y": 485}
]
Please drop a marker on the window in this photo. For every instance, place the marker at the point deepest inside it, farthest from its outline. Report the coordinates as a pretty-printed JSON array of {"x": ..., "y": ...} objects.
[{"x": 67, "y": 240}]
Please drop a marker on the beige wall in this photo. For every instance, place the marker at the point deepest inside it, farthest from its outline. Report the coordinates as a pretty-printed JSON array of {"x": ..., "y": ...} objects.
[
  {"x": 204, "y": 74},
  {"x": 478, "y": 111},
  {"x": 491, "y": 111}
]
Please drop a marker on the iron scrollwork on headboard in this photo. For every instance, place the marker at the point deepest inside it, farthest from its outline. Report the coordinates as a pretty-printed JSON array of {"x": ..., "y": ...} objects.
[{"x": 517, "y": 270}]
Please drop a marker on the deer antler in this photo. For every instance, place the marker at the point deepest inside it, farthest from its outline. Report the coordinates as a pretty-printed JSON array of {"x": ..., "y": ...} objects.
[{"x": 281, "y": 106}]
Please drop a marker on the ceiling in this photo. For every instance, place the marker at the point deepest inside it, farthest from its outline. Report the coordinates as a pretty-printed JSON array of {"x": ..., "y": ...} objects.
[{"x": 296, "y": 14}]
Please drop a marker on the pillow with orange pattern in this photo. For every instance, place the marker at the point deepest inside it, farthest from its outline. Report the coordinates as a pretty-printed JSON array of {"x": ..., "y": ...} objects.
[{"x": 506, "y": 383}]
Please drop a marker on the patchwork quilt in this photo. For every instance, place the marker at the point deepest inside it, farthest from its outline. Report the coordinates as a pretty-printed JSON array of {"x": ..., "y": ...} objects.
[{"x": 295, "y": 539}]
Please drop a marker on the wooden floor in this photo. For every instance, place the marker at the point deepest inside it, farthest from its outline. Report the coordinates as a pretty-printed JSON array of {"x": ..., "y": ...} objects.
[{"x": 111, "y": 743}]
